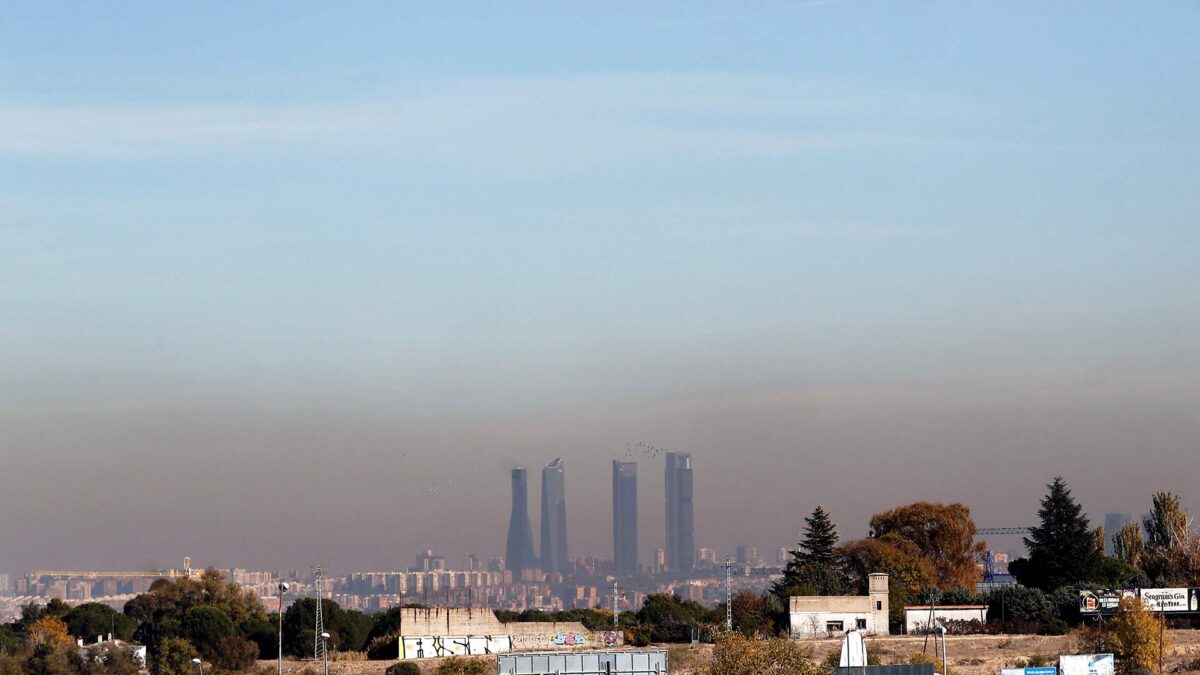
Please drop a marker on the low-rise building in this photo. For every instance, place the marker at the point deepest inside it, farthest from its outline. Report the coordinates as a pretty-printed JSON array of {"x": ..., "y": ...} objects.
[
  {"x": 832, "y": 615},
  {"x": 917, "y": 618}
]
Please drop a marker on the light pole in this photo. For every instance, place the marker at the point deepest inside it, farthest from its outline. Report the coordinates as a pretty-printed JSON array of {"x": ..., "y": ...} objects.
[
  {"x": 942, "y": 629},
  {"x": 283, "y": 586},
  {"x": 199, "y": 665},
  {"x": 325, "y": 644}
]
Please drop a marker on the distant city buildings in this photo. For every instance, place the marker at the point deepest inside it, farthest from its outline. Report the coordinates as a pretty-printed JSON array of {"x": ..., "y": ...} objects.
[
  {"x": 1112, "y": 523},
  {"x": 680, "y": 549},
  {"x": 518, "y": 553},
  {"x": 554, "y": 518},
  {"x": 625, "y": 536}
]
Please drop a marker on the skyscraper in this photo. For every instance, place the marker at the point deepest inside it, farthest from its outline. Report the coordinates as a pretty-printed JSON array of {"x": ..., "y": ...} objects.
[
  {"x": 518, "y": 554},
  {"x": 625, "y": 537},
  {"x": 681, "y": 551},
  {"x": 554, "y": 518}
]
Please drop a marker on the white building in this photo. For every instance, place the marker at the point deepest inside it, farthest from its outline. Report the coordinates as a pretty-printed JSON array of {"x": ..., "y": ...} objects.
[
  {"x": 833, "y": 615},
  {"x": 916, "y": 617}
]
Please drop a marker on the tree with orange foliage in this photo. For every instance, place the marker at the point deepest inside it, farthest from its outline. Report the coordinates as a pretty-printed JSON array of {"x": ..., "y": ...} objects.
[
  {"x": 49, "y": 631},
  {"x": 943, "y": 534}
]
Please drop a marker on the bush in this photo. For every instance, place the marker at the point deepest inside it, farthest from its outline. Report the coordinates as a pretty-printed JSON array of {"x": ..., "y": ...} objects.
[
  {"x": 403, "y": 668},
  {"x": 1056, "y": 627},
  {"x": 464, "y": 665},
  {"x": 384, "y": 648},
  {"x": 736, "y": 654}
]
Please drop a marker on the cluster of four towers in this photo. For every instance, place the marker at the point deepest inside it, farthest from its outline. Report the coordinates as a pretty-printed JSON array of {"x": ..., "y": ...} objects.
[{"x": 680, "y": 545}]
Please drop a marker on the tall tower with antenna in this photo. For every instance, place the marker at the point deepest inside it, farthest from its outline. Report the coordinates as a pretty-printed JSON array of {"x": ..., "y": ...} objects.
[{"x": 318, "y": 643}]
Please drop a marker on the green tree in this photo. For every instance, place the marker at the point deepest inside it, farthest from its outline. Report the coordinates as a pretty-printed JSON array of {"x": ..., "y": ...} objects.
[
  {"x": 1128, "y": 544},
  {"x": 174, "y": 657},
  {"x": 348, "y": 631},
  {"x": 943, "y": 533},
  {"x": 669, "y": 618},
  {"x": 1172, "y": 551},
  {"x": 1063, "y": 549},
  {"x": 92, "y": 619},
  {"x": 205, "y": 628},
  {"x": 815, "y": 567}
]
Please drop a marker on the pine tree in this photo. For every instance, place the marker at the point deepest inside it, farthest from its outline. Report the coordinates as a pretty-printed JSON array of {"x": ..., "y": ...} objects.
[
  {"x": 815, "y": 567},
  {"x": 820, "y": 538},
  {"x": 1063, "y": 549}
]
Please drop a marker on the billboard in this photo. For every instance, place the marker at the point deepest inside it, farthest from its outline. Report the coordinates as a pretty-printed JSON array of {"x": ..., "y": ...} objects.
[
  {"x": 1167, "y": 599},
  {"x": 1086, "y": 664},
  {"x": 1094, "y": 602}
]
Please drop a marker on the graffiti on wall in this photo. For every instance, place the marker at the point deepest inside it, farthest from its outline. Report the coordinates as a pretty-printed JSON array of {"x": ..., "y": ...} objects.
[
  {"x": 428, "y": 647},
  {"x": 610, "y": 639},
  {"x": 570, "y": 640}
]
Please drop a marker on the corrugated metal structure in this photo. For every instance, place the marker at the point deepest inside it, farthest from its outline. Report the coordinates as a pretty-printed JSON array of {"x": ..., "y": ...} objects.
[
  {"x": 584, "y": 663},
  {"x": 898, "y": 669}
]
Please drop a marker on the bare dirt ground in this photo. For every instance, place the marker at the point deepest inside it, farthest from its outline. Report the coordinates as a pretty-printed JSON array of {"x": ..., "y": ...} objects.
[{"x": 968, "y": 655}]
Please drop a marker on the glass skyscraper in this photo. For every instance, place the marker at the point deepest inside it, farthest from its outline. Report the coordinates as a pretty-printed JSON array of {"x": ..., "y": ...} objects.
[
  {"x": 681, "y": 551},
  {"x": 518, "y": 554},
  {"x": 625, "y": 535},
  {"x": 554, "y": 518}
]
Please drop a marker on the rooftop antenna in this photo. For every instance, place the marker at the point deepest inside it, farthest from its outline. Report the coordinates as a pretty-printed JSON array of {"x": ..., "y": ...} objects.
[{"x": 318, "y": 643}]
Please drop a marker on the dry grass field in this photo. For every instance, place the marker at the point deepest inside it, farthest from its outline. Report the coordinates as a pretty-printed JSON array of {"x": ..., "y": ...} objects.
[{"x": 968, "y": 655}]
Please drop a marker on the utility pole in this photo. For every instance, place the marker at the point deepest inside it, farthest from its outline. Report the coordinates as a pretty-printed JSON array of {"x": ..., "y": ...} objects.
[
  {"x": 728, "y": 595},
  {"x": 283, "y": 586},
  {"x": 318, "y": 642}
]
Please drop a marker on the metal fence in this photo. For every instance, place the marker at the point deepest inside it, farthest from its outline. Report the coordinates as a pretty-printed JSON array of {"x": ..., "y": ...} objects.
[{"x": 584, "y": 663}]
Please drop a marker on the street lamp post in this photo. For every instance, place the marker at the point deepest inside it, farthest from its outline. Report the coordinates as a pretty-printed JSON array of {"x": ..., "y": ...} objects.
[
  {"x": 325, "y": 643},
  {"x": 199, "y": 664},
  {"x": 283, "y": 586}
]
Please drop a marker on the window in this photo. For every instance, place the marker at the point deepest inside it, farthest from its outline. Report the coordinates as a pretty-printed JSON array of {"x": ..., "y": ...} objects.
[
  {"x": 878, "y": 605},
  {"x": 833, "y": 627},
  {"x": 861, "y": 623}
]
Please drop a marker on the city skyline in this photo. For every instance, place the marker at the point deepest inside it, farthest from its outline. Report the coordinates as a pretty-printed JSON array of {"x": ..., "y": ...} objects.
[{"x": 252, "y": 250}]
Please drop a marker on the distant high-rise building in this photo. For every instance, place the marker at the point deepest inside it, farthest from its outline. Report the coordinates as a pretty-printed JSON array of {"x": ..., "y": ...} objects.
[
  {"x": 681, "y": 552},
  {"x": 428, "y": 561},
  {"x": 707, "y": 556},
  {"x": 5, "y": 585},
  {"x": 783, "y": 556},
  {"x": 518, "y": 553},
  {"x": 660, "y": 560},
  {"x": 625, "y": 536},
  {"x": 747, "y": 555},
  {"x": 1112, "y": 523},
  {"x": 554, "y": 518}
]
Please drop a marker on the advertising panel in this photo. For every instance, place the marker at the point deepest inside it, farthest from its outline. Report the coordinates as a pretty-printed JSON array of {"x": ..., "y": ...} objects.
[
  {"x": 1094, "y": 602},
  {"x": 1166, "y": 599},
  {"x": 1086, "y": 664}
]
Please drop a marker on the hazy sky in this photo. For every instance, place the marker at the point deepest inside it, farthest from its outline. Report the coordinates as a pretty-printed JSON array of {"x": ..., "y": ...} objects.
[{"x": 287, "y": 283}]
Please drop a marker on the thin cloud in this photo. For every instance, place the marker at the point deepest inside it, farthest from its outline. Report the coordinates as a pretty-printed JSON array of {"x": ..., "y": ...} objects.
[{"x": 521, "y": 127}]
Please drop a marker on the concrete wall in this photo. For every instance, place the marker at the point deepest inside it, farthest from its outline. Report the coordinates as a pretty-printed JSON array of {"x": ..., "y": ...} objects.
[
  {"x": 916, "y": 617},
  {"x": 809, "y": 615},
  {"x": 475, "y": 629}
]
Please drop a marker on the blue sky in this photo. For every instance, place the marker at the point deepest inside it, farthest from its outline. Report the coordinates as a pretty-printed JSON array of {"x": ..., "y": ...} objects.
[{"x": 510, "y": 231}]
